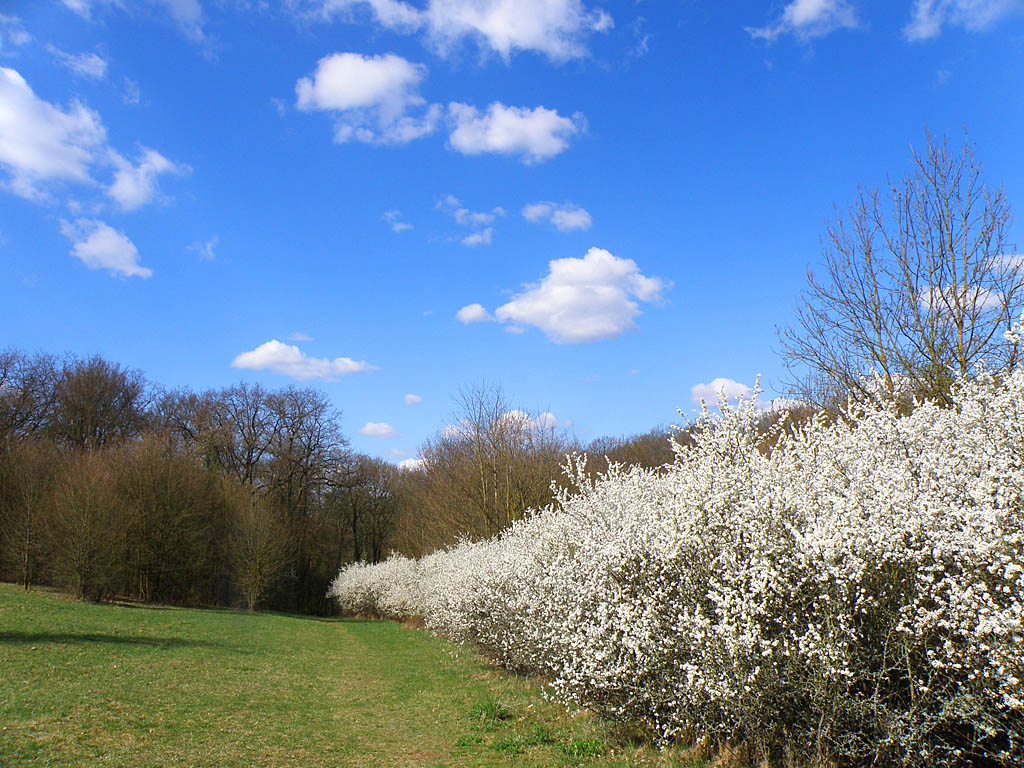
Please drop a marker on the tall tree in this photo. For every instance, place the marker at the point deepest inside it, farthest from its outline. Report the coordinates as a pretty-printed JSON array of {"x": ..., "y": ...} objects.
[{"x": 918, "y": 286}]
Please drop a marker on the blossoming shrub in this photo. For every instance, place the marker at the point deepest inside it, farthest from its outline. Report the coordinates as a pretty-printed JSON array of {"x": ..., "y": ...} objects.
[{"x": 855, "y": 597}]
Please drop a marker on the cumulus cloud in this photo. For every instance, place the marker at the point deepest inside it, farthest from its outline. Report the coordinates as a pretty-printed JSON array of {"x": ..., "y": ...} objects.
[
  {"x": 41, "y": 142},
  {"x": 483, "y": 237},
  {"x": 88, "y": 65},
  {"x": 289, "y": 360},
  {"x": 930, "y": 16},
  {"x": 411, "y": 399},
  {"x": 523, "y": 420},
  {"x": 135, "y": 185},
  {"x": 473, "y": 313},
  {"x": 535, "y": 135},
  {"x": 808, "y": 19},
  {"x": 567, "y": 217},
  {"x": 378, "y": 429},
  {"x": 719, "y": 388},
  {"x": 556, "y": 28},
  {"x": 100, "y": 246},
  {"x": 370, "y": 97},
  {"x": 580, "y": 300},
  {"x": 411, "y": 465}
]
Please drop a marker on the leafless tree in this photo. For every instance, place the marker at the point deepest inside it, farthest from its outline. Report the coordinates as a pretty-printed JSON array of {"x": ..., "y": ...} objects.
[
  {"x": 97, "y": 403},
  {"x": 918, "y": 286},
  {"x": 84, "y": 535},
  {"x": 27, "y": 472},
  {"x": 26, "y": 394},
  {"x": 485, "y": 470},
  {"x": 259, "y": 547}
]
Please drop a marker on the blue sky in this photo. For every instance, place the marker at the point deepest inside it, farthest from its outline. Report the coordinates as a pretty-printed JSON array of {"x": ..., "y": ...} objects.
[{"x": 598, "y": 206}]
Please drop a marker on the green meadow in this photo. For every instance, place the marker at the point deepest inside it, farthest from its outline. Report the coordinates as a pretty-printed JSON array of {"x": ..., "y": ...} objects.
[{"x": 85, "y": 684}]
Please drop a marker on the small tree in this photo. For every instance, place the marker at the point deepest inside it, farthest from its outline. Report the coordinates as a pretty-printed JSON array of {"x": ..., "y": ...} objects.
[
  {"x": 259, "y": 547},
  {"x": 917, "y": 286}
]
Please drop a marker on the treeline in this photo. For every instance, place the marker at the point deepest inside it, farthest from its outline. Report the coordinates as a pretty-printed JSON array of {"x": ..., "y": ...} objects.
[{"x": 113, "y": 487}]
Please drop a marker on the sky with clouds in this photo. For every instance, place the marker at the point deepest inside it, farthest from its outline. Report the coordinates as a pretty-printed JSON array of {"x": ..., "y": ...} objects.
[{"x": 605, "y": 207}]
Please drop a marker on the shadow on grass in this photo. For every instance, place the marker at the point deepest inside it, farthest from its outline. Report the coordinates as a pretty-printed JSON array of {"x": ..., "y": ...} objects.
[{"x": 32, "y": 638}]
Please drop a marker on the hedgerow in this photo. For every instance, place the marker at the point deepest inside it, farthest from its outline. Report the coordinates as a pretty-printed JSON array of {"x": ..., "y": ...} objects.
[{"x": 855, "y": 596}]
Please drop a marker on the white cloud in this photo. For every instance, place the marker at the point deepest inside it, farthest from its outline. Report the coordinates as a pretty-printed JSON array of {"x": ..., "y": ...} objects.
[
  {"x": 581, "y": 300},
  {"x": 89, "y": 65},
  {"x": 411, "y": 465},
  {"x": 370, "y": 98},
  {"x": 476, "y": 239},
  {"x": 375, "y": 429},
  {"x": 538, "y": 212},
  {"x": 930, "y": 16},
  {"x": 467, "y": 218},
  {"x": 808, "y": 19},
  {"x": 411, "y": 399},
  {"x": 130, "y": 93},
  {"x": 297, "y": 336},
  {"x": 394, "y": 218},
  {"x": 535, "y": 135},
  {"x": 556, "y": 28},
  {"x": 473, "y": 313},
  {"x": 970, "y": 299},
  {"x": 187, "y": 13},
  {"x": 566, "y": 217},
  {"x": 136, "y": 185},
  {"x": 543, "y": 421},
  {"x": 41, "y": 142},
  {"x": 12, "y": 31},
  {"x": 82, "y": 7},
  {"x": 205, "y": 249},
  {"x": 721, "y": 387},
  {"x": 100, "y": 246},
  {"x": 291, "y": 361}
]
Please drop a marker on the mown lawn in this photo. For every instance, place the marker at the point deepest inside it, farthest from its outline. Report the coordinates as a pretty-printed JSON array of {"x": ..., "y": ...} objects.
[{"x": 102, "y": 685}]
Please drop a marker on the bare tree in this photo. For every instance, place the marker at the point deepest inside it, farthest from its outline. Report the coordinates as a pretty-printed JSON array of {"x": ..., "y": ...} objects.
[
  {"x": 98, "y": 403},
  {"x": 27, "y": 470},
  {"x": 485, "y": 470},
  {"x": 259, "y": 547},
  {"x": 84, "y": 535},
  {"x": 918, "y": 286},
  {"x": 26, "y": 394}
]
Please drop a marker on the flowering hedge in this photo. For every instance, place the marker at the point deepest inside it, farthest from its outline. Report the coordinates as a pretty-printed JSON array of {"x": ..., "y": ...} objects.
[{"x": 855, "y": 597}]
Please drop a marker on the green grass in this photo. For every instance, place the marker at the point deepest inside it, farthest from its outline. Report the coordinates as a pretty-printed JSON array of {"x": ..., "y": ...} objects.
[{"x": 99, "y": 685}]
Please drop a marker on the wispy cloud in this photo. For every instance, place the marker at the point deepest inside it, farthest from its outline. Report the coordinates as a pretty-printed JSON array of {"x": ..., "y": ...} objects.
[
  {"x": 566, "y": 217},
  {"x": 930, "y": 16},
  {"x": 88, "y": 65},
  {"x": 205, "y": 249}
]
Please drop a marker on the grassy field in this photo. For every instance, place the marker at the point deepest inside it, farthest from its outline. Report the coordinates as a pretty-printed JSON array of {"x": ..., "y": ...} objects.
[{"x": 101, "y": 685}]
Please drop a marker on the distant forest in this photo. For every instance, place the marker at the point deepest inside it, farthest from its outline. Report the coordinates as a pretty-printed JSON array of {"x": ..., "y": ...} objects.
[{"x": 112, "y": 487}]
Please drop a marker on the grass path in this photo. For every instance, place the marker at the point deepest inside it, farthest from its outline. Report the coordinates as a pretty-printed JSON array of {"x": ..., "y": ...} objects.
[{"x": 99, "y": 685}]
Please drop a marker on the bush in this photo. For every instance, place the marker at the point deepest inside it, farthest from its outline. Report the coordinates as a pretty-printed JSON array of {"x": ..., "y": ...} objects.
[{"x": 856, "y": 596}]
